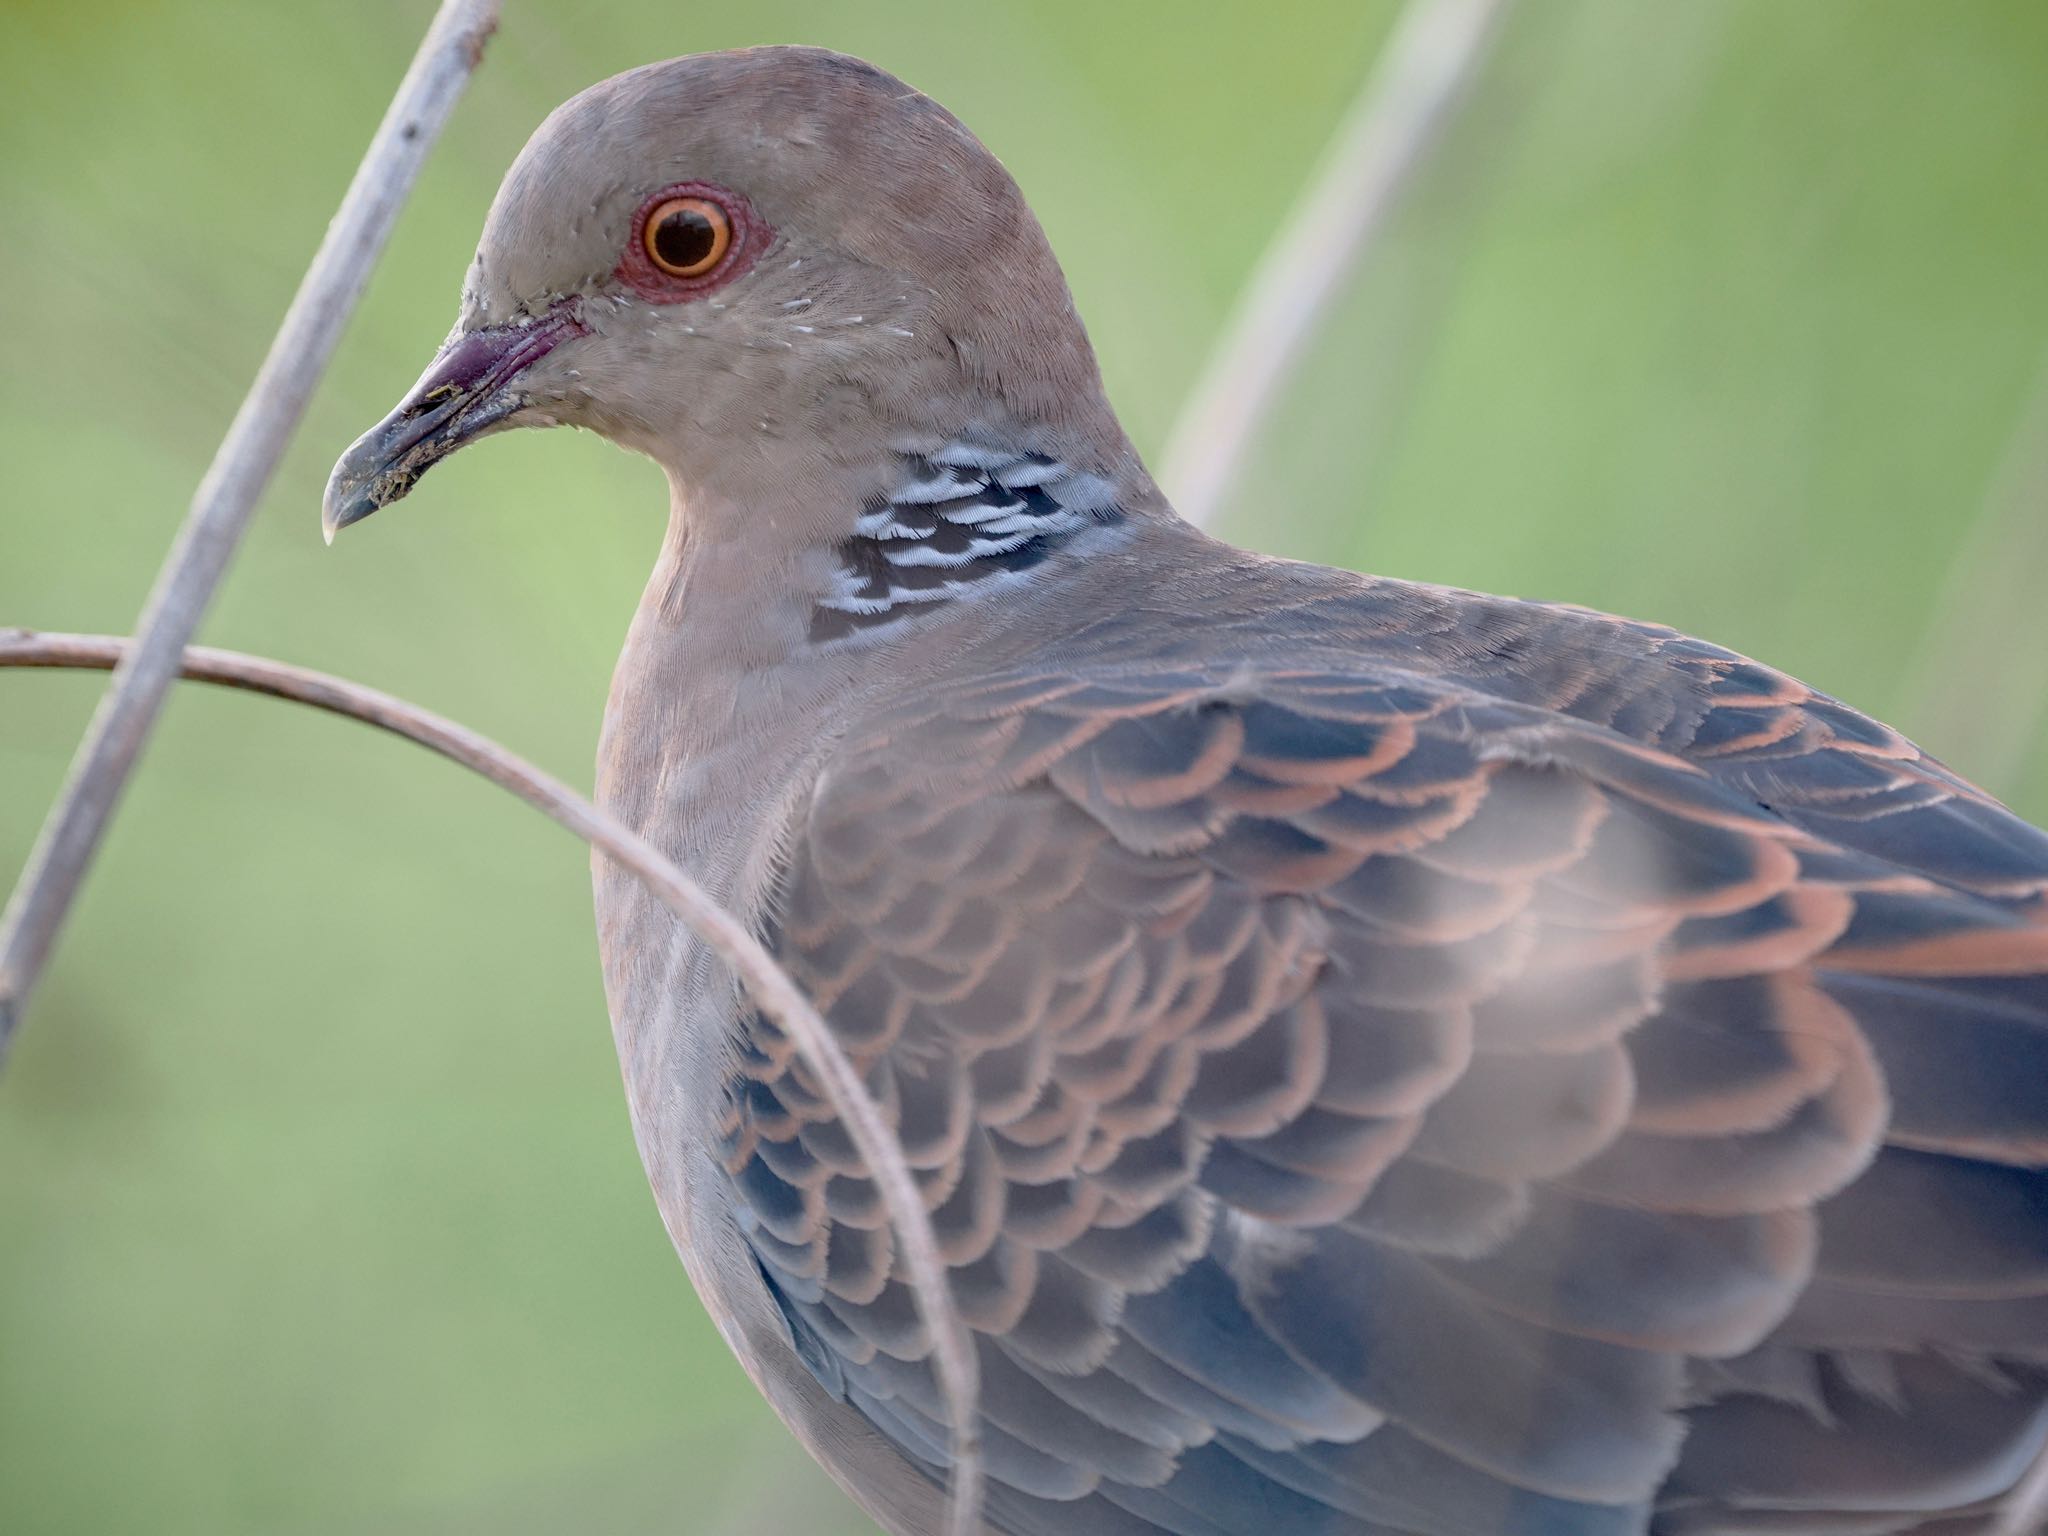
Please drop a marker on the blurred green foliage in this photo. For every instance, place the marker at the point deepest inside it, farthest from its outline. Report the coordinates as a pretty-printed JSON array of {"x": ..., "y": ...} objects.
[{"x": 318, "y": 1209}]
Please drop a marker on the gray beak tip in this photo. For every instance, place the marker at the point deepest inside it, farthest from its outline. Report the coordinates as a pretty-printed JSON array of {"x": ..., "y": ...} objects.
[
  {"x": 347, "y": 501},
  {"x": 353, "y": 489},
  {"x": 466, "y": 392}
]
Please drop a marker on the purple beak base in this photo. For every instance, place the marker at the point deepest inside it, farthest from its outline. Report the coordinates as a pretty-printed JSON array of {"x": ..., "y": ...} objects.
[{"x": 465, "y": 391}]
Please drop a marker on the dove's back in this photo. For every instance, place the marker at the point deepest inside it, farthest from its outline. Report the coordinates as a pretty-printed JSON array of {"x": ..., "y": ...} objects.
[{"x": 1387, "y": 1059}]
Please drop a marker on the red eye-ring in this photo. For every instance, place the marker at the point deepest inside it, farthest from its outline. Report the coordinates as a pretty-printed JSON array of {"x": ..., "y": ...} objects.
[{"x": 689, "y": 239}]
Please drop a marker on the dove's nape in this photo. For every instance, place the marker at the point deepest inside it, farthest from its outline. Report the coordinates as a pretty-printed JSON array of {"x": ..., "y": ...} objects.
[{"x": 1381, "y": 1059}]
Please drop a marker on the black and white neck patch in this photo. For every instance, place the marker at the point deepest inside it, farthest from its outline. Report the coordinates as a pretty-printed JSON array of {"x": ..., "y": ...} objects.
[{"x": 963, "y": 516}]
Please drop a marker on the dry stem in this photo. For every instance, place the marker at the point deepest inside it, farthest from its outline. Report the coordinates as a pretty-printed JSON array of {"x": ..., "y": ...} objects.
[
  {"x": 2028, "y": 1515},
  {"x": 1397, "y": 116},
  {"x": 1987, "y": 622},
  {"x": 241, "y": 468},
  {"x": 766, "y": 982}
]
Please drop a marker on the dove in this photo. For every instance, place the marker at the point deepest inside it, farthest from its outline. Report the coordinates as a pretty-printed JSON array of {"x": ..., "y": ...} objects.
[{"x": 1378, "y": 1058}]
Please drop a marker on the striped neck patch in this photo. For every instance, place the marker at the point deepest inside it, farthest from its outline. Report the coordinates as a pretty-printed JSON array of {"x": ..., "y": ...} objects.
[{"x": 963, "y": 517}]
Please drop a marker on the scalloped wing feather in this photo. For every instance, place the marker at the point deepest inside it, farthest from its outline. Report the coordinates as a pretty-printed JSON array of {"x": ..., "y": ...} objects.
[{"x": 1354, "y": 1101}]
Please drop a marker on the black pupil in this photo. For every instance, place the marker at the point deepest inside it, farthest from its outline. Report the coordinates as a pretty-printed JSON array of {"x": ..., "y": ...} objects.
[{"x": 684, "y": 238}]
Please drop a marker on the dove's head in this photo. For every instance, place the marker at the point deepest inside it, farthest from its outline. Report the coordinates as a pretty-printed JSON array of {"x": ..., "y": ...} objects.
[{"x": 768, "y": 261}]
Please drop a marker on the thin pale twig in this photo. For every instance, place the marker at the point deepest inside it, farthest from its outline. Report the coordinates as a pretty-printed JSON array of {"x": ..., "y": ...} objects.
[
  {"x": 1987, "y": 623},
  {"x": 771, "y": 988},
  {"x": 2028, "y": 1515},
  {"x": 1397, "y": 116},
  {"x": 241, "y": 469}
]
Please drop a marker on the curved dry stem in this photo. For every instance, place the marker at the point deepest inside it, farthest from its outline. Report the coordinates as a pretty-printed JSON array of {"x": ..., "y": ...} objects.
[
  {"x": 770, "y": 987},
  {"x": 1398, "y": 114},
  {"x": 2028, "y": 1515},
  {"x": 221, "y": 507}
]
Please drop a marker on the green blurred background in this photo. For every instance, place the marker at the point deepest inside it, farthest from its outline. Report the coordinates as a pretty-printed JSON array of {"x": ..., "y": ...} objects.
[{"x": 318, "y": 1208}]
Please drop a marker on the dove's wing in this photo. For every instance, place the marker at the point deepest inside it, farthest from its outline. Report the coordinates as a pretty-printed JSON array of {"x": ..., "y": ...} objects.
[{"x": 1350, "y": 1102}]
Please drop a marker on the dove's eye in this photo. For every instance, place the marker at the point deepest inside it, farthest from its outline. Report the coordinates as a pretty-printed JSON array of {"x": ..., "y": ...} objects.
[
  {"x": 689, "y": 239},
  {"x": 687, "y": 236}
]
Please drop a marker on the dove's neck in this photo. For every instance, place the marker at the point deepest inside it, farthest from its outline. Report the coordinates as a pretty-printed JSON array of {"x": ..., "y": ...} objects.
[
  {"x": 960, "y": 520},
  {"x": 771, "y": 616},
  {"x": 772, "y": 627},
  {"x": 711, "y": 735}
]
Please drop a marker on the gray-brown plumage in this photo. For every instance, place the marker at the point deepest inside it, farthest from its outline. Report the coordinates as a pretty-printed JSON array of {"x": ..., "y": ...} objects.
[{"x": 1379, "y": 1058}]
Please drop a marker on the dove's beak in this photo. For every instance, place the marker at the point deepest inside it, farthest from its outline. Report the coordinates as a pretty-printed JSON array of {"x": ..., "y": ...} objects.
[{"x": 467, "y": 391}]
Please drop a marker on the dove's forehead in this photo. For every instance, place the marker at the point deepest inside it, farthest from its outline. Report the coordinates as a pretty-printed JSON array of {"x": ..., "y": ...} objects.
[{"x": 805, "y": 134}]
